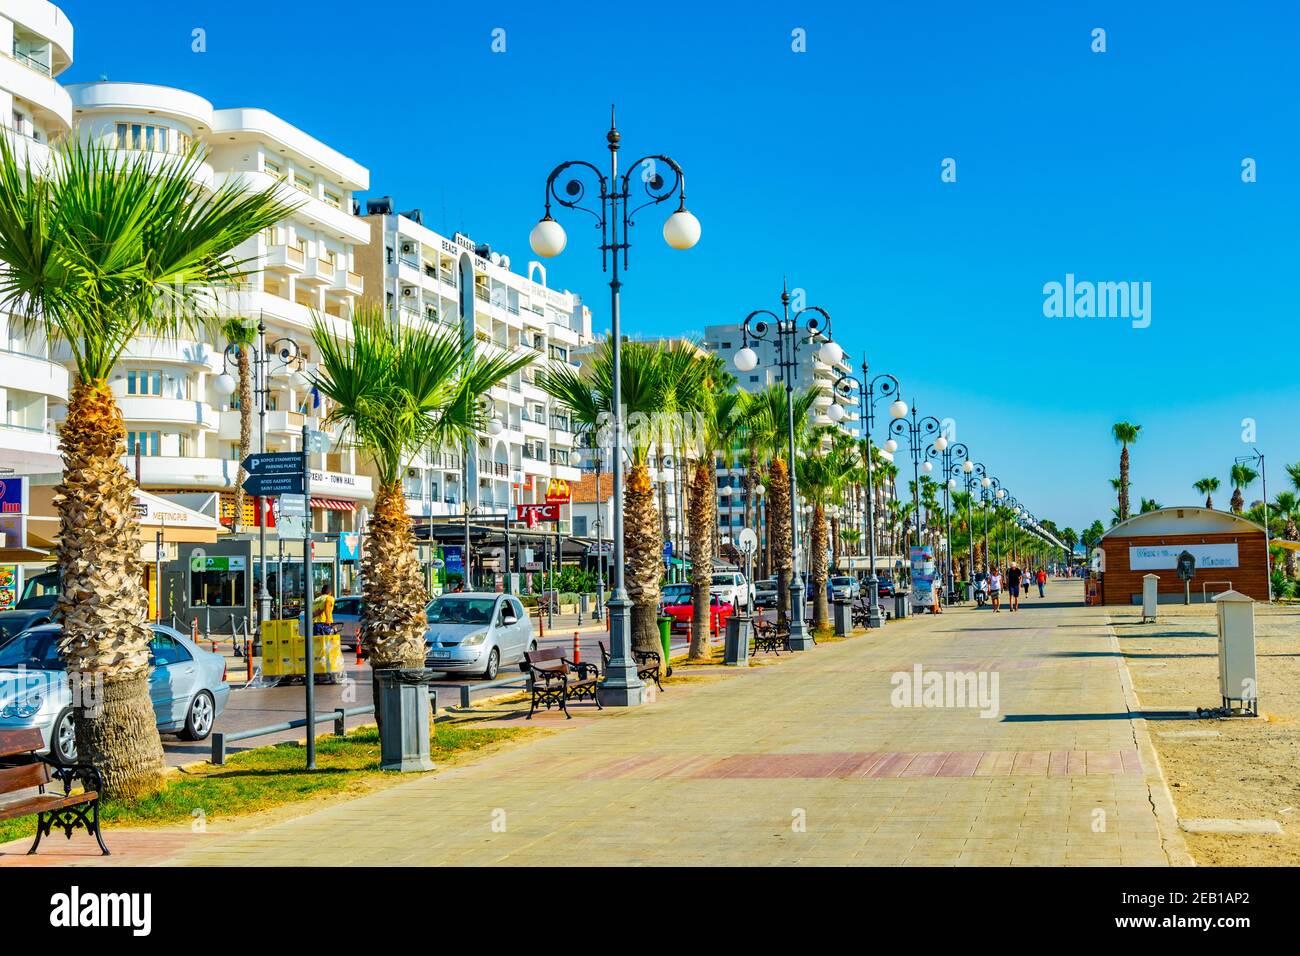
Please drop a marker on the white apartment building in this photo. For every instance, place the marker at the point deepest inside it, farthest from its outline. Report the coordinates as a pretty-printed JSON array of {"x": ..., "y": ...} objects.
[
  {"x": 426, "y": 278},
  {"x": 185, "y": 429},
  {"x": 35, "y": 47}
]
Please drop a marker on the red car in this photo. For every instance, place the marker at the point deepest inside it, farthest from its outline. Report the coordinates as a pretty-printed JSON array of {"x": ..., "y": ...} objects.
[{"x": 675, "y": 602}]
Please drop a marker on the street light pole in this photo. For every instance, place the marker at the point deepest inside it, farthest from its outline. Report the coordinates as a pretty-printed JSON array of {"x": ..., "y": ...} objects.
[
  {"x": 868, "y": 389},
  {"x": 785, "y": 331},
  {"x": 614, "y": 218},
  {"x": 916, "y": 430},
  {"x": 972, "y": 471},
  {"x": 946, "y": 456},
  {"x": 1258, "y": 459}
]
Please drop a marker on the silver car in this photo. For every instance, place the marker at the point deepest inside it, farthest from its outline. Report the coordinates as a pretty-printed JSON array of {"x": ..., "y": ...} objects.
[
  {"x": 476, "y": 632},
  {"x": 187, "y": 686}
]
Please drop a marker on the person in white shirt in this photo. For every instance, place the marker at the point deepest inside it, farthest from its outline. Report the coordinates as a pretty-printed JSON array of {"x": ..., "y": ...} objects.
[{"x": 995, "y": 588}]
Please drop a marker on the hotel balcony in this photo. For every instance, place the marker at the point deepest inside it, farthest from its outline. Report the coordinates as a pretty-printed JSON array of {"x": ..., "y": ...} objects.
[
  {"x": 150, "y": 409},
  {"x": 277, "y": 423},
  {"x": 286, "y": 259},
  {"x": 24, "y": 372}
]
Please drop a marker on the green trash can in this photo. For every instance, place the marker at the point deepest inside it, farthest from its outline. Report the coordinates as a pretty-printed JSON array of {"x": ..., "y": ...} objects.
[{"x": 666, "y": 638}]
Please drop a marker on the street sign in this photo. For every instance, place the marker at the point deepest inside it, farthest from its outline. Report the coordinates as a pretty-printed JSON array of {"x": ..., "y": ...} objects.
[
  {"x": 291, "y": 506},
  {"x": 276, "y": 463},
  {"x": 268, "y": 485},
  {"x": 318, "y": 442},
  {"x": 291, "y": 526},
  {"x": 668, "y": 551}
]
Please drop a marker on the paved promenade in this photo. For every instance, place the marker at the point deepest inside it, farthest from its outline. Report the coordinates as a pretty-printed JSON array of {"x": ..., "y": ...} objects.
[{"x": 808, "y": 761}]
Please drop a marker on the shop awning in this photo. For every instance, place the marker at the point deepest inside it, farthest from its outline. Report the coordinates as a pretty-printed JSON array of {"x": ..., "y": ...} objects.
[{"x": 333, "y": 504}]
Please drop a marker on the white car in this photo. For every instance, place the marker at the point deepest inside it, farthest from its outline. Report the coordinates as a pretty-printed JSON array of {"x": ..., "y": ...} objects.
[{"x": 732, "y": 588}]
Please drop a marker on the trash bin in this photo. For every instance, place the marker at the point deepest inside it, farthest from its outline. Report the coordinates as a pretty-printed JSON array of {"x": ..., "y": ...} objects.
[
  {"x": 735, "y": 650},
  {"x": 1235, "y": 614},
  {"x": 402, "y": 710},
  {"x": 843, "y": 616},
  {"x": 666, "y": 638},
  {"x": 902, "y": 605}
]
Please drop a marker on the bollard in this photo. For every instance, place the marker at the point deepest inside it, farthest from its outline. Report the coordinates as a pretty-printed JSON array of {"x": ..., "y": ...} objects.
[
  {"x": 194, "y": 629},
  {"x": 577, "y": 651},
  {"x": 248, "y": 658},
  {"x": 541, "y": 628}
]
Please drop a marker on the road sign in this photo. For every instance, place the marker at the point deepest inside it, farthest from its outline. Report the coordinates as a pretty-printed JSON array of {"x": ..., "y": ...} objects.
[
  {"x": 291, "y": 526},
  {"x": 275, "y": 484},
  {"x": 668, "y": 551},
  {"x": 275, "y": 463},
  {"x": 318, "y": 442},
  {"x": 291, "y": 506}
]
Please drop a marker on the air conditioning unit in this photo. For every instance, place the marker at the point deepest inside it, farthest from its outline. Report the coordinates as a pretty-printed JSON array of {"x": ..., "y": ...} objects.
[
  {"x": 408, "y": 248},
  {"x": 412, "y": 473},
  {"x": 408, "y": 292}
]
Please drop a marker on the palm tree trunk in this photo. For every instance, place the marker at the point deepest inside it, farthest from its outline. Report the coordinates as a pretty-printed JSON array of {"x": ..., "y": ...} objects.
[
  {"x": 643, "y": 557},
  {"x": 817, "y": 573},
  {"x": 1123, "y": 484},
  {"x": 393, "y": 594},
  {"x": 1238, "y": 501},
  {"x": 102, "y": 598},
  {"x": 778, "y": 520},
  {"x": 702, "y": 498},
  {"x": 245, "y": 436},
  {"x": 1291, "y": 532}
]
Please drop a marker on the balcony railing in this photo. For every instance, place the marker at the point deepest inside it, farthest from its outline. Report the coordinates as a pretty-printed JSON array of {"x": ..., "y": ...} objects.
[
  {"x": 481, "y": 293},
  {"x": 29, "y": 61},
  {"x": 355, "y": 282}
]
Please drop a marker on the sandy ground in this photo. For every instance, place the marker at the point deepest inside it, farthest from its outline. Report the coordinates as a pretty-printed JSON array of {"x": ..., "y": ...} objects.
[{"x": 1251, "y": 771}]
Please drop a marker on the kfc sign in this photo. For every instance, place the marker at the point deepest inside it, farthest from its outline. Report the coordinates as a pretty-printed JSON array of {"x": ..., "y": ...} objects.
[{"x": 531, "y": 515}]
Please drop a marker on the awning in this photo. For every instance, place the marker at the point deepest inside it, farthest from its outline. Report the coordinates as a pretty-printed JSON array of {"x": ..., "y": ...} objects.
[{"x": 333, "y": 504}]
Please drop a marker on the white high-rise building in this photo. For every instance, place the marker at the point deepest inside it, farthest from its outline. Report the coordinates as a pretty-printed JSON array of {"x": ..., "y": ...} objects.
[
  {"x": 184, "y": 426},
  {"x": 35, "y": 47},
  {"x": 426, "y": 278}
]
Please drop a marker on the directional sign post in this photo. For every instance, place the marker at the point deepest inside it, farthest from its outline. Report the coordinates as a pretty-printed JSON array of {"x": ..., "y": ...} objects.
[
  {"x": 308, "y": 624},
  {"x": 281, "y": 473}
]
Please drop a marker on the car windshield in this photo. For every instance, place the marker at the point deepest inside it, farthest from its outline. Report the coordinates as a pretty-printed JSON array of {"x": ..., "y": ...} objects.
[
  {"x": 350, "y": 606},
  {"x": 453, "y": 610},
  {"x": 724, "y": 579},
  {"x": 36, "y": 650},
  {"x": 11, "y": 624},
  {"x": 840, "y": 582},
  {"x": 676, "y": 595}
]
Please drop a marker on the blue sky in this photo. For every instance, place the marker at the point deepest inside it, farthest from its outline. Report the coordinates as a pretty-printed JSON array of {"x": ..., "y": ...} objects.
[{"x": 825, "y": 165}]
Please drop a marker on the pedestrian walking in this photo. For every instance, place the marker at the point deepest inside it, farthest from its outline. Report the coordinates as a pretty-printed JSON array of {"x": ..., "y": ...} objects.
[
  {"x": 1041, "y": 577},
  {"x": 995, "y": 589},
  {"x": 1014, "y": 578}
]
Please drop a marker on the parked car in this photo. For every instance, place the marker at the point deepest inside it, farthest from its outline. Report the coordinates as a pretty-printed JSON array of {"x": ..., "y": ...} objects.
[
  {"x": 674, "y": 594},
  {"x": 187, "y": 686},
  {"x": 843, "y": 587},
  {"x": 884, "y": 586},
  {"x": 14, "y": 622},
  {"x": 732, "y": 588},
  {"x": 476, "y": 632},
  {"x": 347, "y": 618},
  {"x": 765, "y": 593},
  {"x": 682, "y": 611}
]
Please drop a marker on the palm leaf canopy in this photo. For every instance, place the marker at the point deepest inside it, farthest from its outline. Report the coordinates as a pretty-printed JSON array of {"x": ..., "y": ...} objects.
[
  {"x": 399, "y": 388},
  {"x": 99, "y": 248}
]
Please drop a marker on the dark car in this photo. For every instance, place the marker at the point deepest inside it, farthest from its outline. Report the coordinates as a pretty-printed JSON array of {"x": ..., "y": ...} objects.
[
  {"x": 884, "y": 586},
  {"x": 21, "y": 618}
]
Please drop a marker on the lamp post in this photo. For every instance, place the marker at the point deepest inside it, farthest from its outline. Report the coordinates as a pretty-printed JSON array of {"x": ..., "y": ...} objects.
[
  {"x": 1258, "y": 458},
  {"x": 614, "y": 219},
  {"x": 287, "y": 356},
  {"x": 970, "y": 472},
  {"x": 868, "y": 390},
  {"x": 946, "y": 456},
  {"x": 988, "y": 484},
  {"x": 916, "y": 430},
  {"x": 785, "y": 331}
]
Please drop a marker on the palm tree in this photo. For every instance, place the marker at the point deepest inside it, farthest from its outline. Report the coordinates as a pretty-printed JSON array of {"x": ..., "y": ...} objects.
[
  {"x": 1149, "y": 504},
  {"x": 99, "y": 250},
  {"x": 589, "y": 398},
  {"x": 769, "y": 422},
  {"x": 821, "y": 473},
  {"x": 1207, "y": 487},
  {"x": 1286, "y": 506},
  {"x": 1126, "y": 434},
  {"x": 242, "y": 334},
  {"x": 396, "y": 389},
  {"x": 1241, "y": 476}
]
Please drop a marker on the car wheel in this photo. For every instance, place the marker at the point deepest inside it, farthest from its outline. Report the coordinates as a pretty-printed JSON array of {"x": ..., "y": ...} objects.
[
  {"x": 494, "y": 661},
  {"x": 63, "y": 738},
  {"x": 198, "y": 722}
]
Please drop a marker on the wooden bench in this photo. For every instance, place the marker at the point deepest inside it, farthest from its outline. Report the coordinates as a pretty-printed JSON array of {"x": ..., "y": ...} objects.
[
  {"x": 767, "y": 637},
  {"x": 21, "y": 768},
  {"x": 557, "y": 680},
  {"x": 647, "y": 663}
]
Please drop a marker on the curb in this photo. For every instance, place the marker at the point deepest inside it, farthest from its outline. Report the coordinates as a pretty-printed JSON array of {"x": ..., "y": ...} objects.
[{"x": 1162, "y": 801}]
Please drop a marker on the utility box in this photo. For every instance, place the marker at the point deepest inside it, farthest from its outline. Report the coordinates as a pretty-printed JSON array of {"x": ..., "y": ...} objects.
[
  {"x": 1237, "y": 682},
  {"x": 1150, "y": 582},
  {"x": 842, "y": 612}
]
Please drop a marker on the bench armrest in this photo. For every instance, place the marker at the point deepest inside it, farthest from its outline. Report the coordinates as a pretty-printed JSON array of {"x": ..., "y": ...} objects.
[
  {"x": 87, "y": 775},
  {"x": 645, "y": 657},
  {"x": 582, "y": 667}
]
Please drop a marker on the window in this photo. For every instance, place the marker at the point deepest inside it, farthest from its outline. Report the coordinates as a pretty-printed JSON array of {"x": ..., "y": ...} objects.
[
  {"x": 272, "y": 167},
  {"x": 165, "y": 649},
  {"x": 144, "y": 382},
  {"x": 147, "y": 442},
  {"x": 580, "y": 525},
  {"x": 333, "y": 199},
  {"x": 150, "y": 139},
  {"x": 218, "y": 581}
]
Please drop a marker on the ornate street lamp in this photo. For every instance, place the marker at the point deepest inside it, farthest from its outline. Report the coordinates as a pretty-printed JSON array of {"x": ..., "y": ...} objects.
[
  {"x": 918, "y": 432},
  {"x": 615, "y": 218},
  {"x": 947, "y": 455},
  {"x": 785, "y": 331},
  {"x": 867, "y": 390}
]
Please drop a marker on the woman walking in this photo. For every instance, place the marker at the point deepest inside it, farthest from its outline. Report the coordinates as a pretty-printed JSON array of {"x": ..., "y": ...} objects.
[{"x": 995, "y": 588}]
